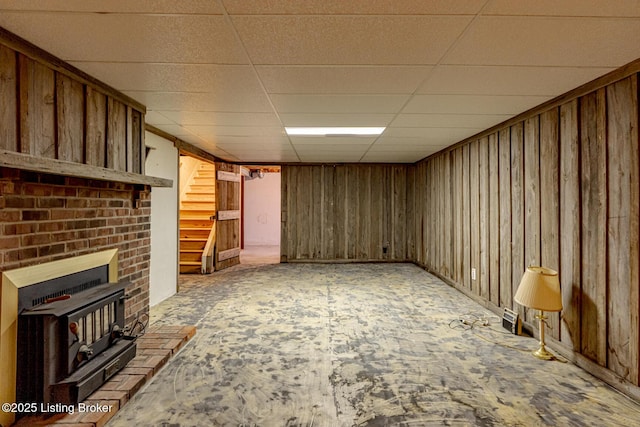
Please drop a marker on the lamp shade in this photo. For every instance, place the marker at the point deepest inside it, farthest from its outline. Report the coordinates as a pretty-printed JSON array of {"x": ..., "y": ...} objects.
[{"x": 539, "y": 289}]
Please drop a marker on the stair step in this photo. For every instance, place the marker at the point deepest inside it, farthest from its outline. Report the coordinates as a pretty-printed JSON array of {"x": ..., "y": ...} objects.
[
  {"x": 198, "y": 205},
  {"x": 194, "y": 234},
  {"x": 197, "y": 214},
  {"x": 189, "y": 196},
  {"x": 190, "y": 244},
  {"x": 195, "y": 223},
  {"x": 190, "y": 257},
  {"x": 191, "y": 269}
]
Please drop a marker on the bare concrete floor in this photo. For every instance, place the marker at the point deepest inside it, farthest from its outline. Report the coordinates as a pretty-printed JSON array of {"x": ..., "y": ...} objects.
[
  {"x": 355, "y": 345},
  {"x": 260, "y": 254}
]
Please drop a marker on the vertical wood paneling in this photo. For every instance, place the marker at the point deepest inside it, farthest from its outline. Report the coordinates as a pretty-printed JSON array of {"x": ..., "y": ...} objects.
[
  {"x": 622, "y": 229},
  {"x": 70, "y": 114},
  {"x": 532, "y": 191},
  {"x": 399, "y": 214},
  {"x": 285, "y": 197},
  {"x": 474, "y": 205},
  {"x": 329, "y": 214},
  {"x": 227, "y": 231},
  {"x": 445, "y": 216},
  {"x": 411, "y": 233},
  {"x": 531, "y": 196},
  {"x": 137, "y": 143},
  {"x": 458, "y": 226},
  {"x": 116, "y": 135},
  {"x": 96, "y": 128},
  {"x": 506, "y": 296},
  {"x": 494, "y": 220},
  {"x": 593, "y": 187},
  {"x": 8, "y": 100},
  {"x": 517, "y": 208},
  {"x": 37, "y": 109},
  {"x": 424, "y": 220},
  {"x": 560, "y": 189},
  {"x": 346, "y": 212},
  {"x": 364, "y": 199},
  {"x": 483, "y": 228},
  {"x": 549, "y": 202},
  {"x": 317, "y": 194},
  {"x": 466, "y": 218},
  {"x": 570, "y": 225},
  {"x": 352, "y": 212},
  {"x": 387, "y": 213},
  {"x": 431, "y": 256},
  {"x": 341, "y": 213}
]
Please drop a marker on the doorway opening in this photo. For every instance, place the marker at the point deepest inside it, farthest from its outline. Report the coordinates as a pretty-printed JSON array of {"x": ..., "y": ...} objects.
[
  {"x": 261, "y": 213},
  {"x": 197, "y": 210}
]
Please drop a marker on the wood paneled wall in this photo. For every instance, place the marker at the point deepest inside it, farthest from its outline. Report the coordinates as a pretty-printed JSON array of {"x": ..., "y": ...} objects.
[
  {"x": 560, "y": 188},
  {"x": 347, "y": 213},
  {"x": 227, "y": 250},
  {"x": 48, "y": 112}
]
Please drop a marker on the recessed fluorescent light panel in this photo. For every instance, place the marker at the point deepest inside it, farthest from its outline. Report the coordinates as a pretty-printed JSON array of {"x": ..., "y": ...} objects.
[{"x": 334, "y": 131}]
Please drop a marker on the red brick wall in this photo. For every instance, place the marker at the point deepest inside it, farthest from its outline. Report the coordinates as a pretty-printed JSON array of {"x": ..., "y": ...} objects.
[{"x": 48, "y": 217}]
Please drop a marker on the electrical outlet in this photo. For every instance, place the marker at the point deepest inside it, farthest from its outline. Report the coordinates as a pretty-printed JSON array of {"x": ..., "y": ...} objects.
[{"x": 473, "y": 274}]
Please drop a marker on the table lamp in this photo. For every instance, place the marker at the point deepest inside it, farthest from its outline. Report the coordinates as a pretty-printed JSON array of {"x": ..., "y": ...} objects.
[{"x": 540, "y": 289}]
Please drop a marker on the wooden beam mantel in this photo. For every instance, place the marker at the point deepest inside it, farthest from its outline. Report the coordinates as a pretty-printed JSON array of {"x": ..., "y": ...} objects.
[{"x": 14, "y": 160}]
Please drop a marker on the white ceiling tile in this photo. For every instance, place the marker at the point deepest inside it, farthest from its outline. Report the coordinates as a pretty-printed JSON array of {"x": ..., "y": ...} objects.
[
  {"x": 507, "y": 80},
  {"x": 367, "y": 40},
  {"x": 335, "y": 140},
  {"x": 328, "y": 119},
  {"x": 157, "y": 118},
  {"x": 215, "y": 131},
  {"x": 117, "y": 6},
  {"x": 252, "y": 140},
  {"x": 333, "y": 63},
  {"x": 472, "y": 104},
  {"x": 328, "y": 80},
  {"x": 395, "y": 157},
  {"x": 483, "y": 121},
  {"x": 417, "y": 143},
  {"x": 323, "y": 157},
  {"x": 539, "y": 41},
  {"x": 352, "y": 7},
  {"x": 213, "y": 118},
  {"x": 386, "y": 147},
  {"x": 432, "y": 134},
  {"x": 260, "y": 155},
  {"x": 129, "y": 38},
  {"x": 175, "y": 130},
  {"x": 355, "y": 104},
  {"x": 330, "y": 148},
  {"x": 587, "y": 8},
  {"x": 217, "y": 79},
  {"x": 190, "y": 101}
]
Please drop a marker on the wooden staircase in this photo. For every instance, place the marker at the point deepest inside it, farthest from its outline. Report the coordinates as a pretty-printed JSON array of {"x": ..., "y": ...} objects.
[{"x": 197, "y": 210}]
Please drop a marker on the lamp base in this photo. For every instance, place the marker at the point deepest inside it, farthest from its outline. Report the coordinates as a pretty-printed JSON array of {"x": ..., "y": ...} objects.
[{"x": 543, "y": 354}]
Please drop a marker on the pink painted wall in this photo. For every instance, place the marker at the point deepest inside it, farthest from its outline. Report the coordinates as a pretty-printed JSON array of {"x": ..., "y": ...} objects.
[{"x": 262, "y": 210}]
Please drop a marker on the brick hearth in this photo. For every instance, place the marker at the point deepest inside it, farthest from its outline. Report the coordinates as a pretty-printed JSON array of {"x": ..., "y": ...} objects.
[{"x": 155, "y": 348}]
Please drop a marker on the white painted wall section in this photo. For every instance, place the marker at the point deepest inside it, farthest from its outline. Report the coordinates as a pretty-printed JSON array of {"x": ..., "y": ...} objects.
[
  {"x": 262, "y": 211},
  {"x": 162, "y": 161}
]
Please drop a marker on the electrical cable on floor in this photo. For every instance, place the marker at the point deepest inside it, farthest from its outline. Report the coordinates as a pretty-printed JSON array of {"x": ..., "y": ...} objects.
[
  {"x": 137, "y": 328},
  {"x": 470, "y": 320}
]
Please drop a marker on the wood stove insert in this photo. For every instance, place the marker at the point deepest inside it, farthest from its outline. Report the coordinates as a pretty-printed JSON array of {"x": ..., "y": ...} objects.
[{"x": 71, "y": 336}]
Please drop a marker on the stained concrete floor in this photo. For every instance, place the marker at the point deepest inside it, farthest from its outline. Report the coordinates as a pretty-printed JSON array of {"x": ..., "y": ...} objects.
[{"x": 355, "y": 345}]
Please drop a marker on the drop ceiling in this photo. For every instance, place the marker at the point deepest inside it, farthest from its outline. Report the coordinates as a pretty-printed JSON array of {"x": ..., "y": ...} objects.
[{"x": 227, "y": 76}]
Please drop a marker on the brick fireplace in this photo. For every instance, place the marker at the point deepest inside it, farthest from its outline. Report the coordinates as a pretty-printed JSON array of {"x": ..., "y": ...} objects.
[{"x": 47, "y": 217}]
